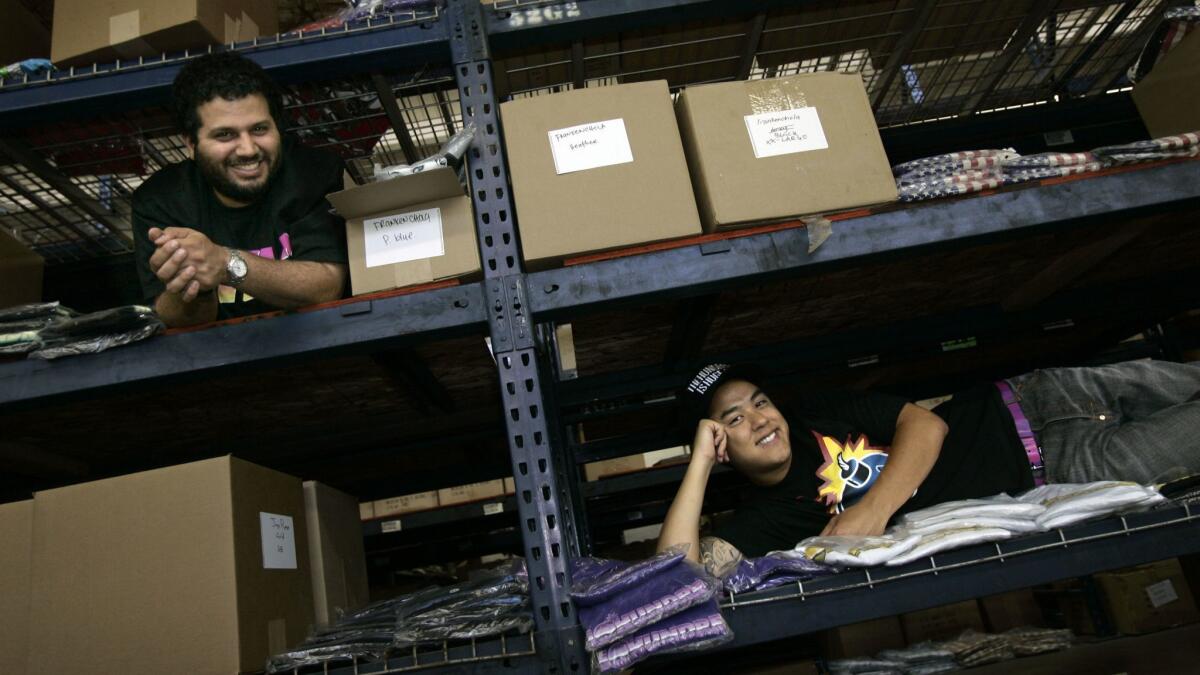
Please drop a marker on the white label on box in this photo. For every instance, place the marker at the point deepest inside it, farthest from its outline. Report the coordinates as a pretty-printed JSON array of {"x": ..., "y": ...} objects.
[
  {"x": 590, "y": 146},
  {"x": 278, "y": 541},
  {"x": 403, "y": 237},
  {"x": 390, "y": 526},
  {"x": 785, "y": 132},
  {"x": 1161, "y": 593},
  {"x": 493, "y": 508}
]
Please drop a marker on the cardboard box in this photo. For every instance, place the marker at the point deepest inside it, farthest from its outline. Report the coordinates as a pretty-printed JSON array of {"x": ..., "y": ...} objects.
[
  {"x": 596, "y": 169},
  {"x": 1149, "y": 597},
  {"x": 335, "y": 551},
  {"x": 366, "y": 510},
  {"x": 510, "y": 486},
  {"x": 16, "y": 533},
  {"x": 780, "y": 148},
  {"x": 474, "y": 492},
  {"x": 200, "y": 568},
  {"x": 87, "y": 32},
  {"x": 20, "y": 272},
  {"x": 394, "y": 506},
  {"x": 940, "y": 623},
  {"x": 1167, "y": 98},
  {"x": 614, "y": 467},
  {"x": 1011, "y": 610},
  {"x": 22, "y": 35},
  {"x": 866, "y": 638},
  {"x": 408, "y": 230}
]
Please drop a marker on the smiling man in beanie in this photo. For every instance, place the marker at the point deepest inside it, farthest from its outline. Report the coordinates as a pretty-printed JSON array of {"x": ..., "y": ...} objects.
[
  {"x": 844, "y": 463},
  {"x": 242, "y": 226}
]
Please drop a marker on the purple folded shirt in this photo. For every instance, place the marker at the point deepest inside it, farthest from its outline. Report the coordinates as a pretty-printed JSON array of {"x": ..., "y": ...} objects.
[
  {"x": 699, "y": 627},
  {"x": 655, "y": 598}
]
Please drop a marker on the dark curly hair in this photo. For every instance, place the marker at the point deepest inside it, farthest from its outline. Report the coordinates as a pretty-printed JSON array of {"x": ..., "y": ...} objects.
[{"x": 228, "y": 75}]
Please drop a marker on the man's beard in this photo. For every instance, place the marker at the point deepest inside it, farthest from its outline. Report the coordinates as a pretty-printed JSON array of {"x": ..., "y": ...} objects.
[{"x": 215, "y": 172}]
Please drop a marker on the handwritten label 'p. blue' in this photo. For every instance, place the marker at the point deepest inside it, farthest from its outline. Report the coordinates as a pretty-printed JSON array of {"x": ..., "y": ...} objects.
[{"x": 402, "y": 237}]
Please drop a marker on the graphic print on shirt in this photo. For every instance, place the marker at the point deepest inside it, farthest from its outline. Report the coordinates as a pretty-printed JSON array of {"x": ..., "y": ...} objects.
[
  {"x": 227, "y": 294},
  {"x": 849, "y": 470}
]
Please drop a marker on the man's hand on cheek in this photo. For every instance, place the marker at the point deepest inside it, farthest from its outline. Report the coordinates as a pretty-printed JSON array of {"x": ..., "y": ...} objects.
[{"x": 858, "y": 520}]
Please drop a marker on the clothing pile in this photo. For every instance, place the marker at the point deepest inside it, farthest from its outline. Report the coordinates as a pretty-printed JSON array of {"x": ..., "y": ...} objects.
[
  {"x": 774, "y": 569},
  {"x": 920, "y": 534},
  {"x": 959, "y": 173},
  {"x": 49, "y": 330},
  {"x": 495, "y": 602},
  {"x": 630, "y": 611},
  {"x": 971, "y": 648},
  {"x": 360, "y": 10}
]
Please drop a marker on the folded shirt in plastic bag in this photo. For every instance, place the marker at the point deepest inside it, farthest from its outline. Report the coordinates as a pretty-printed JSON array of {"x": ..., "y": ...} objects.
[
  {"x": 630, "y": 606},
  {"x": 596, "y": 579},
  {"x": 1166, "y": 147},
  {"x": 945, "y": 540},
  {"x": 695, "y": 629},
  {"x": 1069, "y": 503},
  {"x": 855, "y": 551},
  {"x": 771, "y": 570},
  {"x": 494, "y": 603},
  {"x": 19, "y": 325},
  {"x": 96, "y": 332}
]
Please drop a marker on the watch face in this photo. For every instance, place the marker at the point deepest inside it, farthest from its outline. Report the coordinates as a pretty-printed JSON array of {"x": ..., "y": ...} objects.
[{"x": 237, "y": 267}]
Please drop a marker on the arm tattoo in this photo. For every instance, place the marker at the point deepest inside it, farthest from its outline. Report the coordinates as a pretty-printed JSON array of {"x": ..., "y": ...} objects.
[{"x": 718, "y": 556}]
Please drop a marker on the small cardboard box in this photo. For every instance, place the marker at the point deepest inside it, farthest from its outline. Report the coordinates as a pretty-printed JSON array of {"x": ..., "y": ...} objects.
[
  {"x": 20, "y": 272},
  {"x": 1167, "y": 98},
  {"x": 1149, "y": 597},
  {"x": 335, "y": 549},
  {"x": 16, "y": 573},
  {"x": 86, "y": 31},
  {"x": 596, "y": 169},
  {"x": 1014, "y": 609},
  {"x": 394, "y": 506},
  {"x": 940, "y": 623},
  {"x": 22, "y": 35},
  {"x": 865, "y": 638},
  {"x": 366, "y": 510},
  {"x": 408, "y": 230},
  {"x": 510, "y": 486},
  {"x": 471, "y": 493},
  {"x": 199, "y": 568},
  {"x": 770, "y": 149},
  {"x": 614, "y": 467}
]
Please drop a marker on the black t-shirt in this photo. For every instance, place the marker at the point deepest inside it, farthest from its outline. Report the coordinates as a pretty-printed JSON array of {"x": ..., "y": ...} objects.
[
  {"x": 840, "y": 442},
  {"x": 291, "y": 221}
]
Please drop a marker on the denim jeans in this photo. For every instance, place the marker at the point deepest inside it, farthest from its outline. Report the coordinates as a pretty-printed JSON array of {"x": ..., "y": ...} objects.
[{"x": 1126, "y": 421}]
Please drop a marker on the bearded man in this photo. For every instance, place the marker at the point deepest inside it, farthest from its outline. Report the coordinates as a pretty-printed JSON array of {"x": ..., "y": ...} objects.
[{"x": 243, "y": 226}]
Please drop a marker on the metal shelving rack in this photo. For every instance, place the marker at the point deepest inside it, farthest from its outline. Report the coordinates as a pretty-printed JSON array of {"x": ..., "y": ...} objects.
[{"x": 919, "y": 61}]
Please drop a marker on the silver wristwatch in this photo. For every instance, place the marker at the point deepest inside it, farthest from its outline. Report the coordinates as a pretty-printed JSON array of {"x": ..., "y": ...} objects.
[{"x": 235, "y": 269}]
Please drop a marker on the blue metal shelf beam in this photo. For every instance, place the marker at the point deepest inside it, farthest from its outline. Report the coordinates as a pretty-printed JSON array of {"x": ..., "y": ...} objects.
[
  {"x": 363, "y": 326},
  {"x": 289, "y": 58},
  {"x": 704, "y": 268}
]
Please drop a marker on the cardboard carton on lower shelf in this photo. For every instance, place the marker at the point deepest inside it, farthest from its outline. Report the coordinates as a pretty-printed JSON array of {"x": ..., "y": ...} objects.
[
  {"x": 20, "y": 272},
  {"x": 200, "y": 568},
  {"x": 335, "y": 549},
  {"x": 777, "y": 148},
  {"x": 940, "y": 623},
  {"x": 366, "y": 511},
  {"x": 408, "y": 230},
  {"x": 395, "y": 506},
  {"x": 1149, "y": 597},
  {"x": 614, "y": 467},
  {"x": 1010, "y": 610},
  {"x": 474, "y": 492},
  {"x": 1167, "y": 98},
  {"x": 865, "y": 638},
  {"x": 16, "y": 572},
  {"x": 86, "y": 31}
]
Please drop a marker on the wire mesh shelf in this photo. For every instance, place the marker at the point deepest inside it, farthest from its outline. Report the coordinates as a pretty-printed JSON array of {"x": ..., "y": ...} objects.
[{"x": 429, "y": 657}]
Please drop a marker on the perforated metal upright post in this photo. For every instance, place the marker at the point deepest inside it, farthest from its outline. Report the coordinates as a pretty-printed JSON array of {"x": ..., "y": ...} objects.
[{"x": 559, "y": 637}]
